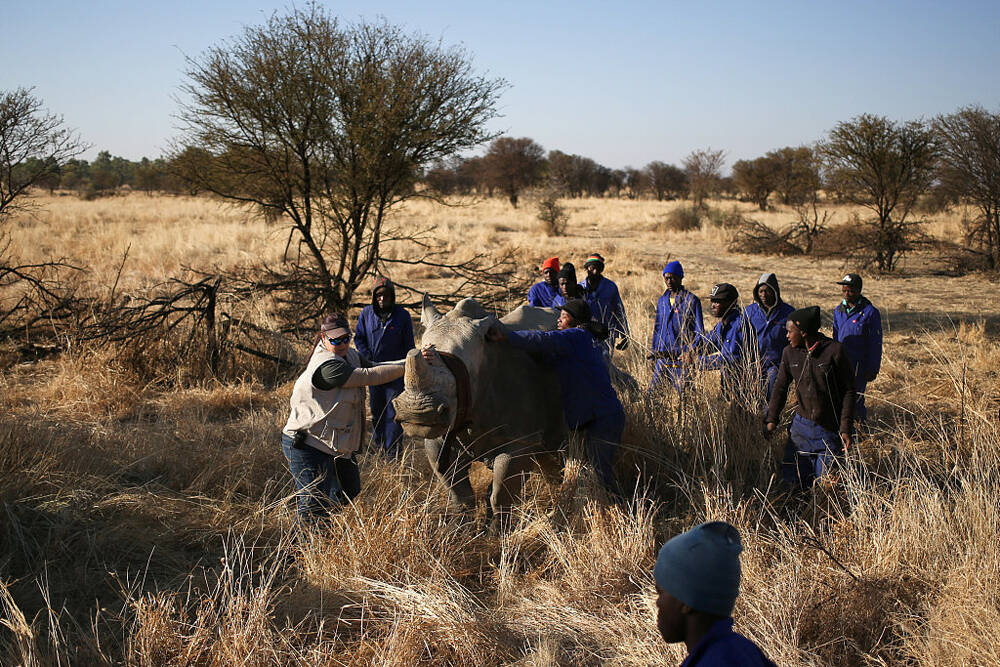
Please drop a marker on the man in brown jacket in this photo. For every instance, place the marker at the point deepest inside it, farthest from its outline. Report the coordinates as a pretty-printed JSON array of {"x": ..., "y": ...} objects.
[{"x": 824, "y": 385}]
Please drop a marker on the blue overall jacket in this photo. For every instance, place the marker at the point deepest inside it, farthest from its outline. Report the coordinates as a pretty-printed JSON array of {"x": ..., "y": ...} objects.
[
  {"x": 859, "y": 330},
  {"x": 724, "y": 347},
  {"x": 577, "y": 357},
  {"x": 722, "y": 647},
  {"x": 607, "y": 307},
  {"x": 677, "y": 328},
  {"x": 767, "y": 327},
  {"x": 542, "y": 294},
  {"x": 384, "y": 340}
]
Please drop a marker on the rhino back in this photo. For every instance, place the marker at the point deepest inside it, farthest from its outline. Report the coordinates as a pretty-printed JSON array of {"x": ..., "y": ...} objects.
[{"x": 531, "y": 318}]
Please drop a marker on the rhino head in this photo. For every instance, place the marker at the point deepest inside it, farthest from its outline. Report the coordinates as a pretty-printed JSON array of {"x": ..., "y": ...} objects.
[{"x": 428, "y": 406}]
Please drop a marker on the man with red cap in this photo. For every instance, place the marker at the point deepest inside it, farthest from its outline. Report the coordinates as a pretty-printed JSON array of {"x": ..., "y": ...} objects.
[{"x": 542, "y": 293}]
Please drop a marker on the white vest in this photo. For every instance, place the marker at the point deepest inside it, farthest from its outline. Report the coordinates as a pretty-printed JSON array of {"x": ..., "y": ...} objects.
[{"x": 333, "y": 420}]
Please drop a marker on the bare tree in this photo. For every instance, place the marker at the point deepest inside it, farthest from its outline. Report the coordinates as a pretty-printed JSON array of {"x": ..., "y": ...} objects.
[
  {"x": 33, "y": 145},
  {"x": 884, "y": 166},
  {"x": 511, "y": 165},
  {"x": 704, "y": 170},
  {"x": 970, "y": 152},
  {"x": 329, "y": 126}
]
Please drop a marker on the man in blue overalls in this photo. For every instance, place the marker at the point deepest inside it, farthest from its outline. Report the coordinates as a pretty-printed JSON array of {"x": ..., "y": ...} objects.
[
  {"x": 384, "y": 333},
  {"x": 677, "y": 329},
  {"x": 542, "y": 293},
  {"x": 605, "y": 302},
  {"x": 590, "y": 403},
  {"x": 766, "y": 318},
  {"x": 857, "y": 325},
  {"x": 724, "y": 347}
]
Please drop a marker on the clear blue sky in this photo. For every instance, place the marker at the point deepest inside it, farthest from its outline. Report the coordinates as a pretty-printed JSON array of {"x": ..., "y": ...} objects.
[{"x": 624, "y": 83}]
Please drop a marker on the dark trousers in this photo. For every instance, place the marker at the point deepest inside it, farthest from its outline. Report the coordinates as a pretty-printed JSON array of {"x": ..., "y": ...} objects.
[
  {"x": 601, "y": 437},
  {"x": 673, "y": 372},
  {"x": 386, "y": 433},
  {"x": 769, "y": 375},
  {"x": 322, "y": 481},
  {"x": 860, "y": 411},
  {"x": 811, "y": 451}
]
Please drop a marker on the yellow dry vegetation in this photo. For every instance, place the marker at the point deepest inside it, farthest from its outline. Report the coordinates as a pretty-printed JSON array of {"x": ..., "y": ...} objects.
[{"x": 150, "y": 522}]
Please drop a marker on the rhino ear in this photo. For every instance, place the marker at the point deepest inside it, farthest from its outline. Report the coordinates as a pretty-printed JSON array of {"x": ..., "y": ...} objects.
[
  {"x": 484, "y": 324},
  {"x": 429, "y": 314}
]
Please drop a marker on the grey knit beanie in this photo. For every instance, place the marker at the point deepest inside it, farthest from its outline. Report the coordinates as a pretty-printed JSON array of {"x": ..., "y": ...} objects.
[{"x": 701, "y": 567}]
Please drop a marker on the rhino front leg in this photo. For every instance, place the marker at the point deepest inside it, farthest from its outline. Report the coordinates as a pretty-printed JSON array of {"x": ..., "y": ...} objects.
[
  {"x": 509, "y": 473},
  {"x": 460, "y": 493}
]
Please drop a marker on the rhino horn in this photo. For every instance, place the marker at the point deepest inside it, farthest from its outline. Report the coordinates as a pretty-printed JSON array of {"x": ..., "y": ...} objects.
[
  {"x": 429, "y": 314},
  {"x": 418, "y": 369}
]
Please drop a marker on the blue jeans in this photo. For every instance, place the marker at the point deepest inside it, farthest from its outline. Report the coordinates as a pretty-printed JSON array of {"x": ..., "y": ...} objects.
[
  {"x": 322, "y": 481},
  {"x": 601, "y": 438},
  {"x": 811, "y": 451},
  {"x": 387, "y": 434}
]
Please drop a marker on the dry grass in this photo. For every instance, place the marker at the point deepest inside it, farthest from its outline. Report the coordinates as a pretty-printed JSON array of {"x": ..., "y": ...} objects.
[{"x": 148, "y": 526}]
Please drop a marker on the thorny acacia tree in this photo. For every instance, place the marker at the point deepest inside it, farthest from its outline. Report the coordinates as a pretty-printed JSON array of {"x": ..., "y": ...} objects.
[
  {"x": 511, "y": 165},
  {"x": 756, "y": 178},
  {"x": 884, "y": 166},
  {"x": 33, "y": 146},
  {"x": 970, "y": 167},
  {"x": 328, "y": 126}
]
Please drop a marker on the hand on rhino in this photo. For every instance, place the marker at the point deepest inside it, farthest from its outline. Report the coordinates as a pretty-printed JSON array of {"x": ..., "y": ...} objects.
[
  {"x": 430, "y": 354},
  {"x": 496, "y": 335}
]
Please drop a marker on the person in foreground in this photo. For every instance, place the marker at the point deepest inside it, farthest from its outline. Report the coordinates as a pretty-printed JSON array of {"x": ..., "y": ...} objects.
[
  {"x": 589, "y": 401},
  {"x": 824, "y": 385},
  {"x": 327, "y": 421},
  {"x": 697, "y": 577}
]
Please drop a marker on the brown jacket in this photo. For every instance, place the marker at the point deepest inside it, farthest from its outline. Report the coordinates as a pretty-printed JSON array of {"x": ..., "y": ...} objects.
[{"x": 824, "y": 385}]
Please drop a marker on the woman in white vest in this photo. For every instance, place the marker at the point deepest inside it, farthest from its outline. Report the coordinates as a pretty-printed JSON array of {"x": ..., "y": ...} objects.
[{"x": 327, "y": 421}]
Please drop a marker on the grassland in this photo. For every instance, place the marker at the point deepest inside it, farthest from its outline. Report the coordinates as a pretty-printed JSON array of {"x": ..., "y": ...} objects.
[{"x": 148, "y": 522}]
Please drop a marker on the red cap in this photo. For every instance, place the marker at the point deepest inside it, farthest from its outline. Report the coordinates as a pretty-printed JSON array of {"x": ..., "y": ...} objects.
[{"x": 551, "y": 263}]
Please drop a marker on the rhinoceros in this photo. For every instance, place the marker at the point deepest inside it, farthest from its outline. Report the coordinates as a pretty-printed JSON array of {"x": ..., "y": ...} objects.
[{"x": 505, "y": 411}]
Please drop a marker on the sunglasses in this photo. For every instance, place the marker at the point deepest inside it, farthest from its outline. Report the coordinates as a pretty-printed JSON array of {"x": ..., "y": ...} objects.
[{"x": 346, "y": 338}]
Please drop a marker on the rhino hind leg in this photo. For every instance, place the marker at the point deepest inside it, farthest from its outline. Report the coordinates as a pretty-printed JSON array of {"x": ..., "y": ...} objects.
[
  {"x": 509, "y": 473},
  {"x": 460, "y": 493}
]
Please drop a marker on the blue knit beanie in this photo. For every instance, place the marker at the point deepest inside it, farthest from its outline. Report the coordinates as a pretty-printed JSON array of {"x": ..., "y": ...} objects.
[
  {"x": 701, "y": 567},
  {"x": 675, "y": 268}
]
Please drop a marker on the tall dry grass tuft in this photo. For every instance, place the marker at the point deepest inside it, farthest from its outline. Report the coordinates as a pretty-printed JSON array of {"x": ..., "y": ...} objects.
[{"x": 146, "y": 514}]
